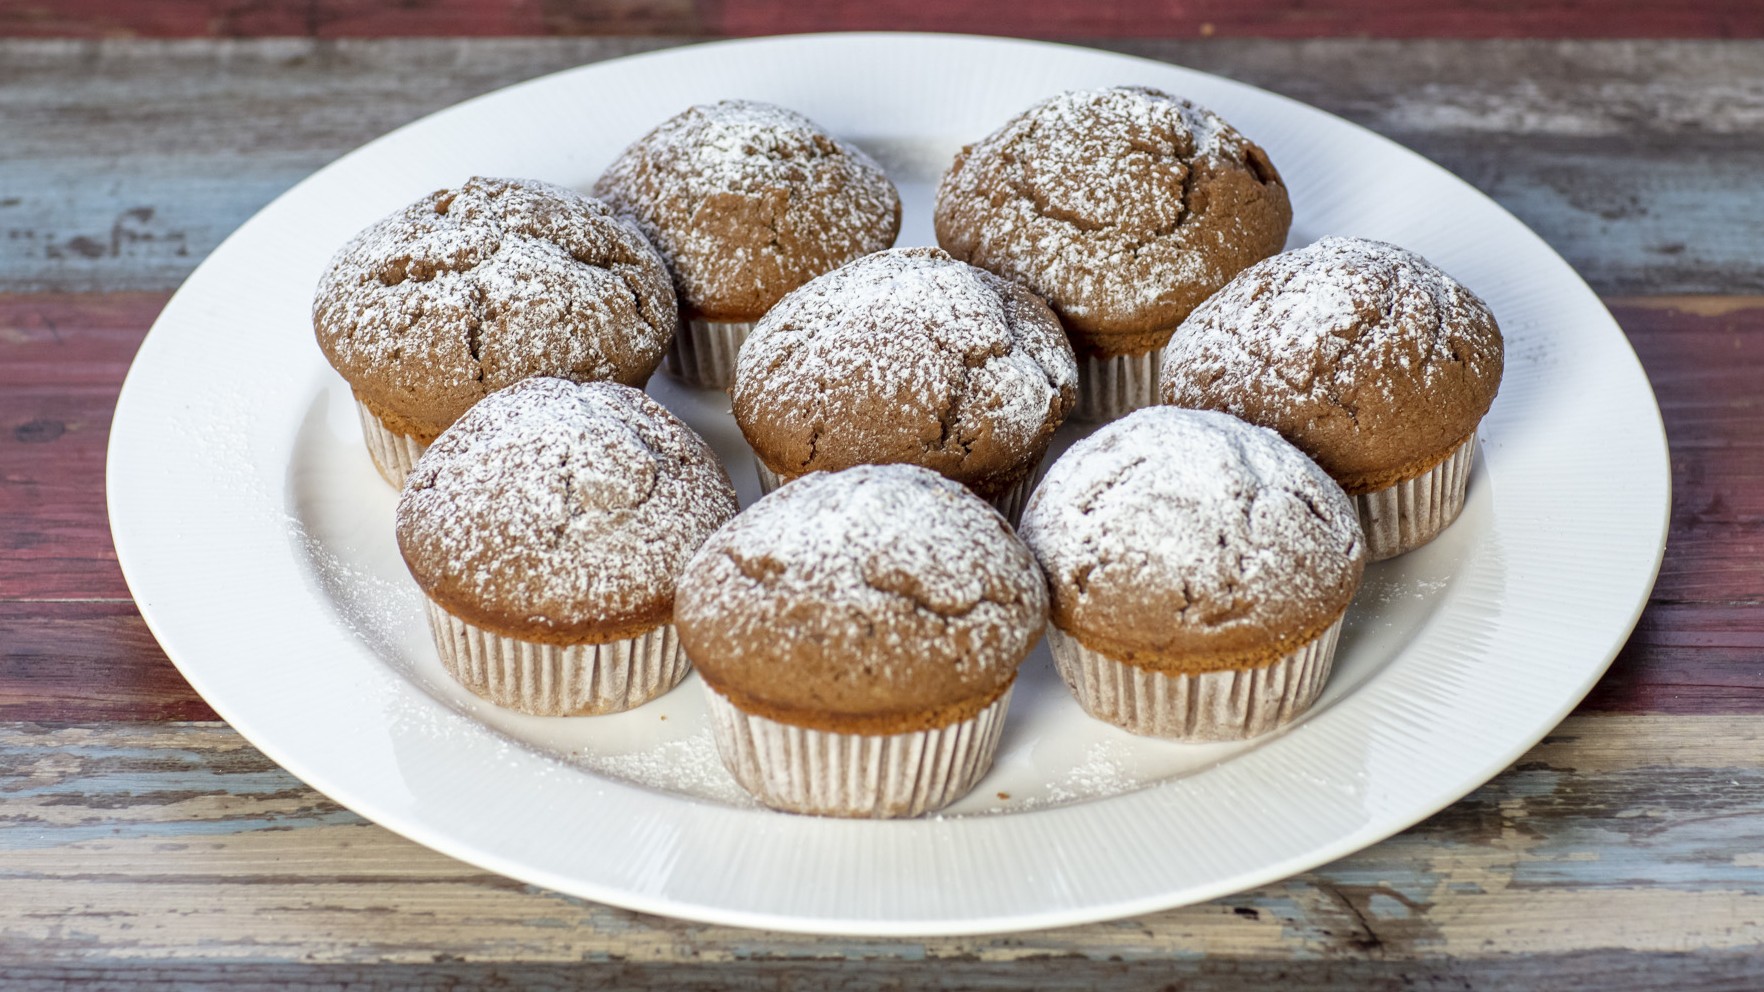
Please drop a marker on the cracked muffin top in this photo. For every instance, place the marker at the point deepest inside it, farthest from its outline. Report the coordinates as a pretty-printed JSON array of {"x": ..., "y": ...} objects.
[
  {"x": 1189, "y": 541},
  {"x": 472, "y": 289},
  {"x": 1124, "y": 208},
  {"x": 747, "y": 201},
  {"x": 1366, "y": 356},
  {"x": 906, "y": 356},
  {"x": 880, "y": 599},
  {"x": 561, "y": 512}
]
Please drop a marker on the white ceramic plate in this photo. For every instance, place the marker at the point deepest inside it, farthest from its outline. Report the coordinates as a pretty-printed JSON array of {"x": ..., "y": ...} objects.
[{"x": 257, "y": 540}]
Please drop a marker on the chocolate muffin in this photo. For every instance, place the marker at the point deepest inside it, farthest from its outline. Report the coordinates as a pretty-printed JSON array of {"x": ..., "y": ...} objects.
[
  {"x": 907, "y": 356},
  {"x": 746, "y": 202},
  {"x": 1200, "y": 567},
  {"x": 1368, "y": 358},
  {"x": 546, "y": 528},
  {"x": 858, "y": 633},
  {"x": 1124, "y": 208},
  {"x": 472, "y": 289}
]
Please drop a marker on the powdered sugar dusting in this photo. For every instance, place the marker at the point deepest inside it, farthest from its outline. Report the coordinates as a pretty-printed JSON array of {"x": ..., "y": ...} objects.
[
  {"x": 906, "y": 355},
  {"x": 1085, "y": 198},
  {"x": 689, "y": 765},
  {"x": 578, "y": 503},
  {"x": 1213, "y": 523},
  {"x": 472, "y": 289},
  {"x": 1343, "y": 317},
  {"x": 1368, "y": 357},
  {"x": 748, "y": 200},
  {"x": 867, "y": 565}
]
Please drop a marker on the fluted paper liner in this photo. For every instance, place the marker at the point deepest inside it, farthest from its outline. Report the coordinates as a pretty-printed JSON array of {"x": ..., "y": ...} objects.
[
  {"x": 855, "y": 775},
  {"x": 703, "y": 352},
  {"x": 394, "y": 454},
  {"x": 559, "y": 680},
  {"x": 1409, "y": 514},
  {"x": 1214, "y": 706},
  {"x": 1111, "y": 388},
  {"x": 1009, "y": 504}
]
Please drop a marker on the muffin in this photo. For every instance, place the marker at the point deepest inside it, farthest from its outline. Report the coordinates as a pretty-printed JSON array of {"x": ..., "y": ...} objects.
[
  {"x": 1124, "y": 208},
  {"x": 472, "y": 289},
  {"x": 907, "y": 356},
  {"x": 1368, "y": 358},
  {"x": 546, "y": 528},
  {"x": 746, "y": 202},
  {"x": 858, "y": 633},
  {"x": 1199, "y": 568}
]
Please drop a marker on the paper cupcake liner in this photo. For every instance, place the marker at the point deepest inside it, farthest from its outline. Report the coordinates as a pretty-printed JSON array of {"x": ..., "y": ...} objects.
[
  {"x": 1409, "y": 514},
  {"x": 1112, "y": 388},
  {"x": 855, "y": 775},
  {"x": 559, "y": 680},
  {"x": 768, "y": 479},
  {"x": 703, "y": 352},
  {"x": 394, "y": 454},
  {"x": 1009, "y": 503},
  {"x": 1214, "y": 706}
]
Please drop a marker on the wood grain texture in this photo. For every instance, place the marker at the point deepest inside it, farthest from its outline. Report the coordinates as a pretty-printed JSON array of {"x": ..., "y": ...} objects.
[
  {"x": 1638, "y": 161},
  {"x": 1028, "y": 18},
  {"x": 1285, "y": 19},
  {"x": 90, "y": 660},
  {"x": 62, "y": 360},
  {"x": 141, "y": 852}
]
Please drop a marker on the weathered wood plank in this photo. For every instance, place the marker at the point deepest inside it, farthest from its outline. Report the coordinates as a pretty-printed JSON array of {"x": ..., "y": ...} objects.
[
  {"x": 88, "y": 660},
  {"x": 1289, "y": 19},
  {"x": 1705, "y": 363},
  {"x": 1636, "y": 160},
  {"x": 62, "y": 360},
  {"x": 377, "y": 19},
  {"x": 1588, "y": 971},
  {"x": 1699, "y": 647},
  {"x": 1620, "y": 839},
  {"x": 1034, "y": 18}
]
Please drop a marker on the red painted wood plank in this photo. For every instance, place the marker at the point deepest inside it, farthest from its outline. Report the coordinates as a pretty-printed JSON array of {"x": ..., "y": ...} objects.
[
  {"x": 1269, "y": 18},
  {"x": 62, "y": 361},
  {"x": 54, "y": 532},
  {"x": 85, "y": 662},
  {"x": 1030, "y": 18},
  {"x": 1699, "y": 648},
  {"x": 345, "y": 18},
  {"x": 1687, "y": 659},
  {"x": 230, "y": 18}
]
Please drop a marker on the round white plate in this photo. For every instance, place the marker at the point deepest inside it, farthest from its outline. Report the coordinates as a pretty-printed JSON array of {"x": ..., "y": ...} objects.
[{"x": 257, "y": 541}]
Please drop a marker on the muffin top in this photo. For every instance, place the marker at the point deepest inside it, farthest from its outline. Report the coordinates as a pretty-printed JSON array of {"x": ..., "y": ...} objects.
[
  {"x": 1368, "y": 357},
  {"x": 561, "y": 512},
  {"x": 1189, "y": 541},
  {"x": 880, "y": 599},
  {"x": 748, "y": 201},
  {"x": 906, "y": 356},
  {"x": 1124, "y": 208},
  {"x": 471, "y": 289}
]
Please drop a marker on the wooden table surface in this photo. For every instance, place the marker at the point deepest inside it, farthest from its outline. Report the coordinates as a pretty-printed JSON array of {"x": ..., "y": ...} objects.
[{"x": 144, "y": 844}]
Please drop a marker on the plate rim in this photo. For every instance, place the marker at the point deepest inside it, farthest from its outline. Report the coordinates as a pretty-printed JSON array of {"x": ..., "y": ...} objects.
[{"x": 135, "y": 572}]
